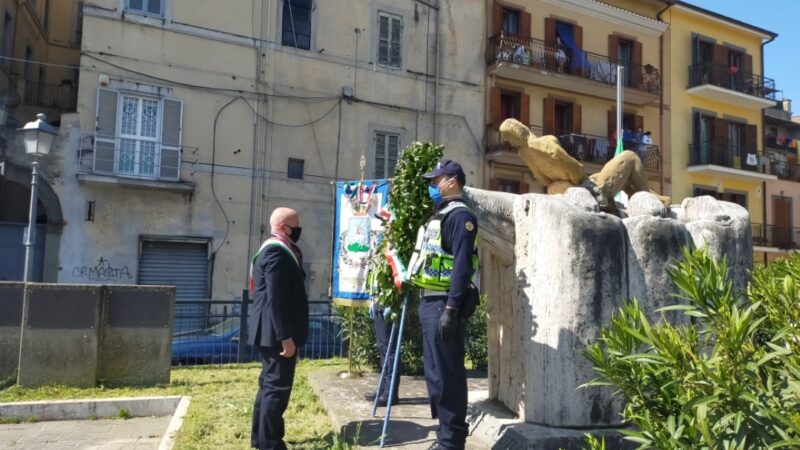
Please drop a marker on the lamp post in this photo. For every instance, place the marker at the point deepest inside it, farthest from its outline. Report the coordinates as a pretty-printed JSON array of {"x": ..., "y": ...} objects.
[{"x": 38, "y": 136}]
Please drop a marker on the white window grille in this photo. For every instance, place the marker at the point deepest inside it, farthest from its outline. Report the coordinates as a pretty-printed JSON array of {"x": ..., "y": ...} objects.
[
  {"x": 390, "y": 40},
  {"x": 387, "y": 153},
  {"x": 137, "y": 136},
  {"x": 151, "y": 7}
]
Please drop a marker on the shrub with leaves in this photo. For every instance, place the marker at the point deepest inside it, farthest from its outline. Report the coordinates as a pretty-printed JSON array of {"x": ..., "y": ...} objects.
[{"x": 728, "y": 380}]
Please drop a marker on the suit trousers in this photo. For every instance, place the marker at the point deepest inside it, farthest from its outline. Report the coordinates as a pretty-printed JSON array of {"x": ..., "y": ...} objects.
[
  {"x": 445, "y": 374},
  {"x": 274, "y": 389}
]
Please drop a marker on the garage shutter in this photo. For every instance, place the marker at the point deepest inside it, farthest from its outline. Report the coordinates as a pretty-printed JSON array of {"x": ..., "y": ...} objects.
[{"x": 185, "y": 266}]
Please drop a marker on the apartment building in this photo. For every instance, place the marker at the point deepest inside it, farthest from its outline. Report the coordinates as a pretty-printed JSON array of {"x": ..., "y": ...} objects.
[
  {"x": 717, "y": 93},
  {"x": 195, "y": 119},
  {"x": 39, "y": 54},
  {"x": 779, "y": 234},
  {"x": 552, "y": 64}
]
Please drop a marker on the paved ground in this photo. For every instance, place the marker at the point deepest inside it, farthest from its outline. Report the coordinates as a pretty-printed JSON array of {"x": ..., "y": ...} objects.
[
  {"x": 410, "y": 427},
  {"x": 138, "y": 433}
]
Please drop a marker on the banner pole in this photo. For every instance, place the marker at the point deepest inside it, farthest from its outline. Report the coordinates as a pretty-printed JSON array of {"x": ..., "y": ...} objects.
[
  {"x": 383, "y": 370},
  {"x": 394, "y": 371}
]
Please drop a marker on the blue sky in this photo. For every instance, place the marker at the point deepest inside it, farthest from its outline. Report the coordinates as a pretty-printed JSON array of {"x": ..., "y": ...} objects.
[{"x": 781, "y": 56}]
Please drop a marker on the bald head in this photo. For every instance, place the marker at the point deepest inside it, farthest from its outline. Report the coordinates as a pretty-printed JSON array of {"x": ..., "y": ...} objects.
[{"x": 283, "y": 217}]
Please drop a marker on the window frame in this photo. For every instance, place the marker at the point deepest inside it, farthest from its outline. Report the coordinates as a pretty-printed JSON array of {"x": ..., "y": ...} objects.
[
  {"x": 510, "y": 10},
  {"x": 126, "y": 8},
  {"x": 517, "y": 103},
  {"x": 136, "y": 173},
  {"x": 377, "y": 39},
  {"x": 301, "y": 162},
  {"x": 311, "y": 23}
]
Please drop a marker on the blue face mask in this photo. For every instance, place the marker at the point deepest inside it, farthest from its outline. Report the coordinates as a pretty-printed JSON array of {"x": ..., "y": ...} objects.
[{"x": 435, "y": 193}]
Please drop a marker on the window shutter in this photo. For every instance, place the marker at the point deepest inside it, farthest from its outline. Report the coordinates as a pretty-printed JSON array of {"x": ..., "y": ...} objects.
[
  {"x": 720, "y": 134},
  {"x": 550, "y": 42},
  {"x": 638, "y": 122},
  {"x": 613, "y": 48},
  {"x": 549, "y": 122},
  {"x": 383, "y": 39},
  {"x": 136, "y": 5},
  {"x": 380, "y": 155},
  {"x": 751, "y": 139},
  {"x": 154, "y": 7},
  {"x": 747, "y": 64},
  {"x": 524, "y": 188},
  {"x": 636, "y": 70},
  {"x": 525, "y": 24},
  {"x": 395, "y": 59},
  {"x": 494, "y": 184},
  {"x": 720, "y": 70},
  {"x": 105, "y": 130},
  {"x": 497, "y": 18},
  {"x": 612, "y": 125},
  {"x": 171, "y": 137},
  {"x": 576, "y": 118},
  {"x": 577, "y": 35},
  {"x": 525, "y": 109},
  {"x": 494, "y": 107},
  {"x": 392, "y": 149}
]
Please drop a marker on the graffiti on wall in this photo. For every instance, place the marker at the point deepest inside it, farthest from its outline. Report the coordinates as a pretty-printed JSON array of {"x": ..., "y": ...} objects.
[{"x": 102, "y": 271}]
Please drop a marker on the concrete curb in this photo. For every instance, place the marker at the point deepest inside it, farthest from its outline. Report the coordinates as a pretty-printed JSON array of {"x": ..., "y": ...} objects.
[
  {"x": 91, "y": 408},
  {"x": 175, "y": 424}
]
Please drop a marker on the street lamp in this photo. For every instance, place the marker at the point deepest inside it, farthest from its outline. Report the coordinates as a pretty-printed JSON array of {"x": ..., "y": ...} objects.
[{"x": 38, "y": 136}]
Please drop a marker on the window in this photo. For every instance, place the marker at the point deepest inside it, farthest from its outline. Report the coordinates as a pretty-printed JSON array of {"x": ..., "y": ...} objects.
[
  {"x": 8, "y": 39},
  {"x": 563, "y": 117},
  {"x": 295, "y": 169},
  {"x": 510, "y": 21},
  {"x": 390, "y": 36},
  {"x": 510, "y": 105},
  {"x": 387, "y": 147},
  {"x": 151, "y": 7},
  {"x": 138, "y": 135},
  {"x": 296, "y": 24},
  {"x": 26, "y": 71},
  {"x": 47, "y": 15},
  {"x": 625, "y": 58},
  {"x": 740, "y": 198}
]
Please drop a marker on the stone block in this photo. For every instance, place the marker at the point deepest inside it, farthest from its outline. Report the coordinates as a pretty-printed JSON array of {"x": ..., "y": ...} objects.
[
  {"x": 654, "y": 246},
  {"x": 59, "y": 339},
  {"x": 581, "y": 197},
  {"x": 136, "y": 335},
  {"x": 572, "y": 275},
  {"x": 646, "y": 204},
  {"x": 11, "y": 296}
]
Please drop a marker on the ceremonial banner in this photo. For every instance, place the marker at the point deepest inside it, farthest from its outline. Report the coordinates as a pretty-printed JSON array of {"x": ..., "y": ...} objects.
[{"x": 358, "y": 231}]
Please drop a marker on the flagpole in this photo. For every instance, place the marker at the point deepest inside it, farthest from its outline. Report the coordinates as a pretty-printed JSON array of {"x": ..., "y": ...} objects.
[{"x": 619, "y": 148}]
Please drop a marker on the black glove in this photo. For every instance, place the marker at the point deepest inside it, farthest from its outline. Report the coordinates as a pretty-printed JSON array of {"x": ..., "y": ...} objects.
[{"x": 448, "y": 323}]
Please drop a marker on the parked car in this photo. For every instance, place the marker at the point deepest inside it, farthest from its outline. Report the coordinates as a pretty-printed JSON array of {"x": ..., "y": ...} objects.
[{"x": 219, "y": 344}]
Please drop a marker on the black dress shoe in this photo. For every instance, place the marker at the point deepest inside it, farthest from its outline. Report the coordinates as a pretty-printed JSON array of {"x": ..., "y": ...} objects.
[
  {"x": 436, "y": 446},
  {"x": 382, "y": 402},
  {"x": 369, "y": 396}
]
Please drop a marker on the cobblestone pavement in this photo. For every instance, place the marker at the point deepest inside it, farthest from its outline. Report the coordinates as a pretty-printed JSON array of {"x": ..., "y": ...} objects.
[{"x": 138, "y": 433}]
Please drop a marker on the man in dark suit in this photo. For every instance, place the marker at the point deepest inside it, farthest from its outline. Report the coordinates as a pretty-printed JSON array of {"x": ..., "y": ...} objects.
[{"x": 278, "y": 325}]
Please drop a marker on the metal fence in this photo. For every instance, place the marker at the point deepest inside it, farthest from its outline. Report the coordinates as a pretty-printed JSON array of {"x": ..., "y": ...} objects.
[{"x": 212, "y": 331}]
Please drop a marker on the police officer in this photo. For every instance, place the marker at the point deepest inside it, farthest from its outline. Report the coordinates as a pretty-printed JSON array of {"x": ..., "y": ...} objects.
[{"x": 443, "y": 263}]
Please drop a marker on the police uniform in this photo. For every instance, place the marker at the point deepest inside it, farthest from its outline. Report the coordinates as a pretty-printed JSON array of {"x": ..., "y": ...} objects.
[{"x": 444, "y": 261}]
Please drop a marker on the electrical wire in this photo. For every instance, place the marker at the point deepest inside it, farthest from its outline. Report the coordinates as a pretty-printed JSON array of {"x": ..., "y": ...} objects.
[
  {"x": 213, "y": 165},
  {"x": 238, "y": 92},
  {"x": 297, "y": 125},
  {"x": 41, "y": 63}
]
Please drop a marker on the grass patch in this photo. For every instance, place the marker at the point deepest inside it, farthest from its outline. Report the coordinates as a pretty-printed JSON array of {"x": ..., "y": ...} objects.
[{"x": 220, "y": 414}]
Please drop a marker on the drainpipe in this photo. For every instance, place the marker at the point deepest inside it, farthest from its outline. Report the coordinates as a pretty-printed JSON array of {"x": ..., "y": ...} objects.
[
  {"x": 662, "y": 180},
  {"x": 764, "y": 183},
  {"x": 436, "y": 82}
]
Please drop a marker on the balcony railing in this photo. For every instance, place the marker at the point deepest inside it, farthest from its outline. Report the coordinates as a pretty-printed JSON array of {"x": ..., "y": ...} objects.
[
  {"x": 63, "y": 97},
  {"x": 726, "y": 156},
  {"x": 130, "y": 158},
  {"x": 784, "y": 169},
  {"x": 732, "y": 78},
  {"x": 775, "y": 236},
  {"x": 594, "y": 149},
  {"x": 536, "y": 53}
]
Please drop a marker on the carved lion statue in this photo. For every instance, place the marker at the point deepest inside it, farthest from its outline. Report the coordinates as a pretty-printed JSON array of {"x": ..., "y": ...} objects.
[{"x": 554, "y": 168}]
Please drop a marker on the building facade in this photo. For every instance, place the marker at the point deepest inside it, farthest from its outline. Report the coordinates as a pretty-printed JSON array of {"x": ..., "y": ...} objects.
[
  {"x": 717, "y": 93},
  {"x": 552, "y": 65},
  {"x": 39, "y": 56},
  {"x": 196, "y": 119}
]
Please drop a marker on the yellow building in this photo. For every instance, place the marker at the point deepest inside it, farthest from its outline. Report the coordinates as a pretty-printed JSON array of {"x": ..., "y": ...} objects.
[
  {"x": 552, "y": 65},
  {"x": 717, "y": 93}
]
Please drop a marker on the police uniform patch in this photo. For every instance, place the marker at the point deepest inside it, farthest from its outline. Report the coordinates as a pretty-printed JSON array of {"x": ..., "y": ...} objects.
[{"x": 469, "y": 226}]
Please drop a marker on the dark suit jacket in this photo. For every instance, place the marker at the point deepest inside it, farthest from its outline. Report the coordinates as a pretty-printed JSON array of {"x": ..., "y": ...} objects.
[{"x": 280, "y": 303}]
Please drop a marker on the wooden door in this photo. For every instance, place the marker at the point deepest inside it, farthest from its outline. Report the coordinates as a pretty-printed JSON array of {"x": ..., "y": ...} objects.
[{"x": 781, "y": 219}]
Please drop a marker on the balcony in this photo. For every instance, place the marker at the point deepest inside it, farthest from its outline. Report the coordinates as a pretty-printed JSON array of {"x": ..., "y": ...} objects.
[
  {"x": 714, "y": 159},
  {"x": 780, "y": 237},
  {"x": 586, "y": 148},
  {"x": 533, "y": 61},
  {"x": 131, "y": 162},
  {"x": 784, "y": 170},
  {"x": 63, "y": 97},
  {"x": 730, "y": 85}
]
